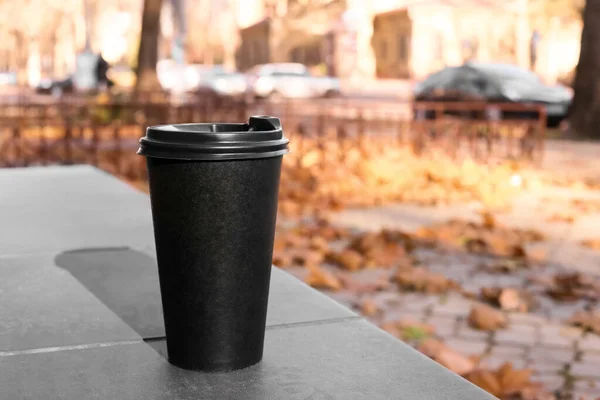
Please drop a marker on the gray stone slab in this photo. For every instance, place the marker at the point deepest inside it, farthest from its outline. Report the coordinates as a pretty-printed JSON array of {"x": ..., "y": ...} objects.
[
  {"x": 69, "y": 208},
  {"x": 65, "y": 208},
  {"x": 43, "y": 306},
  {"x": 127, "y": 282},
  {"x": 55, "y": 185},
  {"x": 344, "y": 360},
  {"x": 45, "y": 229},
  {"x": 291, "y": 301}
]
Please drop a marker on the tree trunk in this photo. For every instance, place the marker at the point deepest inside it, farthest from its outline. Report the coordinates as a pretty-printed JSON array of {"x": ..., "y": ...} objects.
[
  {"x": 585, "y": 109},
  {"x": 148, "y": 51}
]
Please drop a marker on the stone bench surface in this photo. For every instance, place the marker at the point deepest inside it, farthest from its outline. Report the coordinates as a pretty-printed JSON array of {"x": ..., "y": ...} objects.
[{"x": 81, "y": 315}]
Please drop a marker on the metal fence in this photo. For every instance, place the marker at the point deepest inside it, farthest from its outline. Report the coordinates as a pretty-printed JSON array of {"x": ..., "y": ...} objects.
[{"x": 106, "y": 133}]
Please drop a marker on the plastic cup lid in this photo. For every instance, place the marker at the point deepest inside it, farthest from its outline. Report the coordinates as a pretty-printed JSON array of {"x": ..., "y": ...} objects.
[{"x": 261, "y": 137}]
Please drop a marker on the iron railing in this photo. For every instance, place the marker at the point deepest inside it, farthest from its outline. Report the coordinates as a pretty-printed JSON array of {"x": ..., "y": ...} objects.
[{"x": 105, "y": 134}]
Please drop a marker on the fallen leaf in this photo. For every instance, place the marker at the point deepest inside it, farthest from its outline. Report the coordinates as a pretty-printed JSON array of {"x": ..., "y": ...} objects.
[
  {"x": 593, "y": 244},
  {"x": 322, "y": 279},
  {"x": 350, "y": 260},
  {"x": 446, "y": 356},
  {"x": 431, "y": 347},
  {"x": 486, "y": 380},
  {"x": 282, "y": 259},
  {"x": 572, "y": 286},
  {"x": 536, "y": 254},
  {"x": 369, "y": 307},
  {"x": 489, "y": 221},
  {"x": 486, "y": 318},
  {"x": 421, "y": 280},
  {"x": 361, "y": 286},
  {"x": 487, "y": 238},
  {"x": 391, "y": 328},
  {"x": 586, "y": 206},
  {"x": 309, "y": 257},
  {"x": 513, "y": 381},
  {"x": 319, "y": 243},
  {"x": 455, "y": 361},
  {"x": 565, "y": 217},
  {"x": 508, "y": 383},
  {"x": 508, "y": 299}
]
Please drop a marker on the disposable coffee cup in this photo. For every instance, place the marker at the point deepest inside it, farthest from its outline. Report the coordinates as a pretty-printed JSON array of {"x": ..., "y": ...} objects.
[{"x": 213, "y": 190}]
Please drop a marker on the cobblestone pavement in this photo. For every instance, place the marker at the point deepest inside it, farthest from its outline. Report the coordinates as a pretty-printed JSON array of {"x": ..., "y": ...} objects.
[{"x": 563, "y": 358}]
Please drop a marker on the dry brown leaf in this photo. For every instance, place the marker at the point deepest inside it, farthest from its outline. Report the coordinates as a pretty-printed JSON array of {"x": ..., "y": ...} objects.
[
  {"x": 489, "y": 221},
  {"x": 289, "y": 207},
  {"x": 350, "y": 260},
  {"x": 536, "y": 254},
  {"x": 508, "y": 383},
  {"x": 391, "y": 328},
  {"x": 369, "y": 307},
  {"x": 431, "y": 347},
  {"x": 319, "y": 243},
  {"x": 421, "y": 280},
  {"x": 486, "y": 318},
  {"x": 446, "y": 356},
  {"x": 486, "y": 380},
  {"x": 572, "y": 286},
  {"x": 360, "y": 287},
  {"x": 513, "y": 381},
  {"x": 455, "y": 361},
  {"x": 282, "y": 259},
  {"x": 322, "y": 279},
  {"x": 488, "y": 238},
  {"x": 593, "y": 244},
  {"x": 296, "y": 240},
  {"x": 508, "y": 299},
  {"x": 333, "y": 172},
  {"x": 586, "y": 206},
  {"x": 311, "y": 257},
  {"x": 565, "y": 217}
]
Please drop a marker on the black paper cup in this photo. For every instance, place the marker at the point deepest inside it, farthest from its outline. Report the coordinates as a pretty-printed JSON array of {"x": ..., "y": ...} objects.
[{"x": 213, "y": 189}]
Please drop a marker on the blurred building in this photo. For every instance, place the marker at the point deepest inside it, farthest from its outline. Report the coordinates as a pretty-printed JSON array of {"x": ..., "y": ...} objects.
[
  {"x": 414, "y": 40},
  {"x": 407, "y": 39},
  {"x": 41, "y": 38},
  {"x": 294, "y": 31}
]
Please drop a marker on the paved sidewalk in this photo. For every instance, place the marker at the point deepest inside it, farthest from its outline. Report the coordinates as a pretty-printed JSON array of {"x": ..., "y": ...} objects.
[
  {"x": 563, "y": 358},
  {"x": 579, "y": 159}
]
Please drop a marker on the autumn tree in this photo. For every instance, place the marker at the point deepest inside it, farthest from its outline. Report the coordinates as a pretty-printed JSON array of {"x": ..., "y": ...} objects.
[
  {"x": 585, "y": 109},
  {"x": 148, "y": 52}
]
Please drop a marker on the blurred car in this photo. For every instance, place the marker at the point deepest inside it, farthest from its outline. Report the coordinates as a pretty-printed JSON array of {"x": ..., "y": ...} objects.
[
  {"x": 222, "y": 83},
  {"x": 495, "y": 83},
  {"x": 55, "y": 87},
  {"x": 290, "y": 80}
]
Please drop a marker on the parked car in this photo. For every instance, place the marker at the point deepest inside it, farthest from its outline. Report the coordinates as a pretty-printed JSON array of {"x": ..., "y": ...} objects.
[
  {"x": 290, "y": 80},
  {"x": 55, "y": 87},
  {"x": 222, "y": 83},
  {"x": 496, "y": 83}
]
